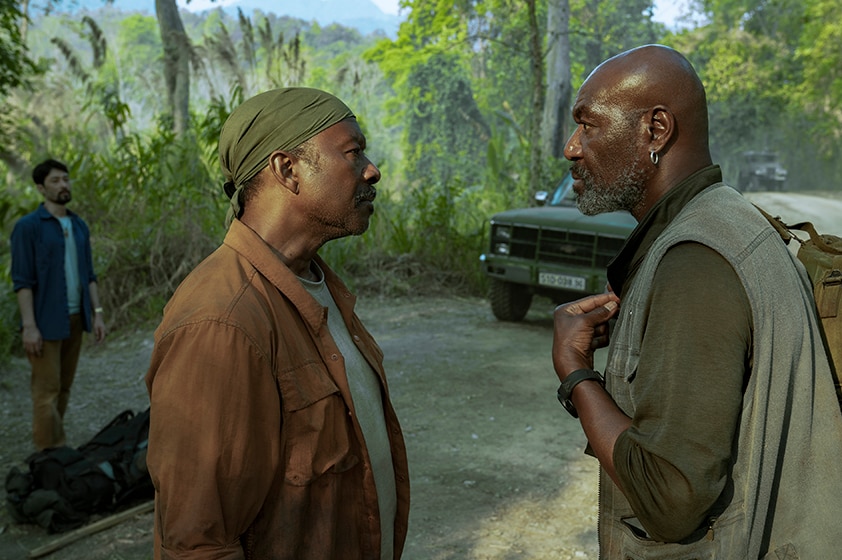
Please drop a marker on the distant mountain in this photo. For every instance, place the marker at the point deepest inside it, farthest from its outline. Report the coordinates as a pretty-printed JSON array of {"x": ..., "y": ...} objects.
[{"x": 363, "y": 15}]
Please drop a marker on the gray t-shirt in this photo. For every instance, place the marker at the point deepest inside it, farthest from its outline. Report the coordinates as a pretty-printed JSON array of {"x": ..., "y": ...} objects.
[
  {"x": 71, "y": 267},
  {"x": 368, "y": 404}
]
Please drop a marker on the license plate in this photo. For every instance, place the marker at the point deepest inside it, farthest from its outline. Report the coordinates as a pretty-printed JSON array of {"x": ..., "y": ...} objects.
[{"x": 561, "y": 281}]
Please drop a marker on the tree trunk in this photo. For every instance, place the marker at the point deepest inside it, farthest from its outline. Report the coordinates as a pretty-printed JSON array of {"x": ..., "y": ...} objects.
[
  {"x": 537, "y": 66},
  {"x": 24, "y": 21},
  {"x": 176, "y": 62},
  {"x": 559, "y": 86}
]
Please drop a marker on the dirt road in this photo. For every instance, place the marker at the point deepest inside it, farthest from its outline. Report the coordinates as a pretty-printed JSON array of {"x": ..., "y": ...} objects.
[
  {"x": 823, "y": 210},
  {"x": 496, "y": 464}
]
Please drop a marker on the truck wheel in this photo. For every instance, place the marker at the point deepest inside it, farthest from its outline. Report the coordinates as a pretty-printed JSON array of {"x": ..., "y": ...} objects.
[{"x": 509, "y": 302}]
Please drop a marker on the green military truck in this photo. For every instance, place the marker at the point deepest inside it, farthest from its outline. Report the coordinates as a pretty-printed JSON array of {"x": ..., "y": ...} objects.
[
  {"x": 761, "y": 171},
  {"x": 552, "y": 250}
]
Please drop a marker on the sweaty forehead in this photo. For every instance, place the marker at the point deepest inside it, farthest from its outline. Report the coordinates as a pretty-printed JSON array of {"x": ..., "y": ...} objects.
[{"x": 607, "y": 89}]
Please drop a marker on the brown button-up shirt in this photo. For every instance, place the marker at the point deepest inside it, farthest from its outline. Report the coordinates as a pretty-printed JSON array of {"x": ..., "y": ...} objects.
[{"x": 254, "y": 446}]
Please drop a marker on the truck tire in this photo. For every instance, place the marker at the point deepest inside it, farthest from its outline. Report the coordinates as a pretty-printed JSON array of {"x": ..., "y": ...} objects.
[{"x": 509, "y": 302}]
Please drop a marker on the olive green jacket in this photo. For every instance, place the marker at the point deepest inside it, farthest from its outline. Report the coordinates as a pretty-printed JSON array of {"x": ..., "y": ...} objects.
[{"x": 785, "y": 494}]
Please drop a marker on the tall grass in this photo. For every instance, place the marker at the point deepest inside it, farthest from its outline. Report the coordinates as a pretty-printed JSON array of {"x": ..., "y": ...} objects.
[
  {"x": 154, "y": 210},
  {"x": 417, "y": 244},
  {"x": 155, "y": 206}
]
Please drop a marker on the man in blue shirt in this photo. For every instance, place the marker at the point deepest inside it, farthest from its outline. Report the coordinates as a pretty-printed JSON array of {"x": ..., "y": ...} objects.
[{"x": 56, "y": 288}]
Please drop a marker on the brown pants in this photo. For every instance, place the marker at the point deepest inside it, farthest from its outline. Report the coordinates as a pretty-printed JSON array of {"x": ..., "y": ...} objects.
[{"x": 52, "y": 376}]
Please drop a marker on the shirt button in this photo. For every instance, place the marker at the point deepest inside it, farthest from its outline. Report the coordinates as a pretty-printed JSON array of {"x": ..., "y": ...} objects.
[
  {"x": 357, "y": 338},
  {"x": 347, "y": 294},
  {"x": 334, "y": 357}
]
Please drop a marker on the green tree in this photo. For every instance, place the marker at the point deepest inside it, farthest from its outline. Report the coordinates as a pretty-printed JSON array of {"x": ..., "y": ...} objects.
[
  {"x": 819, "y": 51},
  {"x": 16, "y": 69},
  {"x": 15, "y": 64},
  {"x": 136, "y": 52},
  {"x": 176, "y": 63},
  {"x": 505, "y": 45},
  {"x": 445, "y": 132},
  {"x": 604, "y": 28},
  {"x": 771, "y": 69},
  {"x": 559, "y": 79}
]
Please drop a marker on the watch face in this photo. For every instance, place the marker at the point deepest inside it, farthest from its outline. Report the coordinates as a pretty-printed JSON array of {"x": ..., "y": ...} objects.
[
  {"x": 565, "y": 401},
  {"x": 568, "y": 406}
]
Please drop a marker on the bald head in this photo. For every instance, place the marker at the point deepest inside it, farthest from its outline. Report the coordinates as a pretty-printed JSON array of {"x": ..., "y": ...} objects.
[
  {"x": 642, "y": 128},
  {"x": 654, "y": 75}
]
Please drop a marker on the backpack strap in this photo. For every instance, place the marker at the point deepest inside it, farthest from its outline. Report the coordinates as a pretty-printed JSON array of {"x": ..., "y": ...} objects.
[
  {"x": 785, "y": 231},
  {"x": 782, "y": 229}
]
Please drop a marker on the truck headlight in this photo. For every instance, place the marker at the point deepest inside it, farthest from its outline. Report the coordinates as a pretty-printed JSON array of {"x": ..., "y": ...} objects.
[
  {"x": 502, "y": 233},
  {"x": 501, "y": 248}
]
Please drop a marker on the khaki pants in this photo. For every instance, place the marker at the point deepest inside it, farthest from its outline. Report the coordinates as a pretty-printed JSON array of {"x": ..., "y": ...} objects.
[{"x": 52, "y": 376}]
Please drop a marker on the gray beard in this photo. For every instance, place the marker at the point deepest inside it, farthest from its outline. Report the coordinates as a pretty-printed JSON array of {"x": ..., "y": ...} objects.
[{"x": 625, "y": 193}]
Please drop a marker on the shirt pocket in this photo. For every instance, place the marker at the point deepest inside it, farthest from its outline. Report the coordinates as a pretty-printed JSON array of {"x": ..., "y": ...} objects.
[
  {"x": 47, "y": 254},
  {"x": 316, "y": 438}
]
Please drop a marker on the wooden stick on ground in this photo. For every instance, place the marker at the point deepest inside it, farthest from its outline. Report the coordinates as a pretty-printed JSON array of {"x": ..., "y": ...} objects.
[{"x": 95, "y": 527}]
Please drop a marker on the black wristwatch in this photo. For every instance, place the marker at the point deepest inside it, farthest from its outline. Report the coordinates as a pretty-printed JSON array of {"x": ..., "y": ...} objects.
[{"x": 566, "y": 387}]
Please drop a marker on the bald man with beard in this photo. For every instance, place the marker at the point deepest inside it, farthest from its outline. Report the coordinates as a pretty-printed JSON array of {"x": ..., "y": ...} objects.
[
  {"x": 716, "y": 424},
  {"x": 272, "y": 434}
]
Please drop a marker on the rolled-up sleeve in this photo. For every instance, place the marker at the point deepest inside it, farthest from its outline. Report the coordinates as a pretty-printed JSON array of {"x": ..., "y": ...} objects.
[
  {"x": 673, "y": 462},
  {"x": 23, "y": 256},
  {"x": 214, "y": 438}
]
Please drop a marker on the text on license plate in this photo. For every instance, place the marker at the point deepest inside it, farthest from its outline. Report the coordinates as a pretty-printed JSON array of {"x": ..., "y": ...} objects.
[{"x": 561, "y": 281}]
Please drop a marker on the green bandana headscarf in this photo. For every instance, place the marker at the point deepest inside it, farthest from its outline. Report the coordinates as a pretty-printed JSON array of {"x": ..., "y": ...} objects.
[{"x": 279, "y": 119}]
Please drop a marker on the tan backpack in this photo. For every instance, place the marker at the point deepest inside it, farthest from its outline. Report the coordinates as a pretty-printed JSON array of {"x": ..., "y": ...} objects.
[{"x": 821, "y": 255}]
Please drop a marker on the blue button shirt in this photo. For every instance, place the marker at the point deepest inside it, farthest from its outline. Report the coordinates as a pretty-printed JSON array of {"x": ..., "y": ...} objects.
[{"x": 38, "y": 264}]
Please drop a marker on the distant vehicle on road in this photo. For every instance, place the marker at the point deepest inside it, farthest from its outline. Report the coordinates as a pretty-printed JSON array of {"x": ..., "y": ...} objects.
[
  {"x": 761, "y": 171},
  {"x": 553, "y": 250}
]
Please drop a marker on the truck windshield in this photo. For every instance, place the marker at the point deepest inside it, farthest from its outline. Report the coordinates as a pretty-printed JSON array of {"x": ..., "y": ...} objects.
[{"x": 564, "y": 195}]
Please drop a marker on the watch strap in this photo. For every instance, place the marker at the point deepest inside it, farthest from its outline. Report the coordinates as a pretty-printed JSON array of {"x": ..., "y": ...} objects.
[{"x": 565, "y": 390}]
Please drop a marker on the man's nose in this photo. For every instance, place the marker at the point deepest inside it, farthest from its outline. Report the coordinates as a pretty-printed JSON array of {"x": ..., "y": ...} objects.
[
  {"x": 371, "y": 173},
  {"x": 572, "y": 148}
]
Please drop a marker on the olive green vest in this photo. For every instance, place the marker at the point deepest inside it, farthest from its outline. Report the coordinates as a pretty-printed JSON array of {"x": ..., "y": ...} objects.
[{"x": 787, "y": 456}]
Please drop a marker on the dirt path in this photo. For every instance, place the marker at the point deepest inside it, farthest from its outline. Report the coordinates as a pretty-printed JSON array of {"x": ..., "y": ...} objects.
[
  {"x": 496, "y": 464},
  {"x": 823, "y": 210}
]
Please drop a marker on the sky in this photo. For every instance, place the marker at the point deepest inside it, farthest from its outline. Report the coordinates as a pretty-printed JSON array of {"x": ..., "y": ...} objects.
[{"x": 665, "y": 10}]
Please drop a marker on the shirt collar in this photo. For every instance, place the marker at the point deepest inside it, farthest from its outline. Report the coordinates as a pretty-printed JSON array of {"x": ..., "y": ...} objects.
[
  {"x": 256, "y": 251},
  {"x": 44, "y": 214},
  {"x": 664, "y": 211}
]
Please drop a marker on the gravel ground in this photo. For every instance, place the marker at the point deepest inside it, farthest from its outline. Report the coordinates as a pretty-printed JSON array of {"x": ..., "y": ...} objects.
[{"x": 496, "y": 465}]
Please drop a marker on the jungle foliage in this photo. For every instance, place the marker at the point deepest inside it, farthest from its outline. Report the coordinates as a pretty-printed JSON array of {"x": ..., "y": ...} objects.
[{"x": 451, "y": 107}]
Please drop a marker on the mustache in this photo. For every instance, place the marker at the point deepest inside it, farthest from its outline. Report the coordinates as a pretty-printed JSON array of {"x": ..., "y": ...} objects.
[
  {"x": 368, "y": 194},
  {"x": 577, "y": 169}
]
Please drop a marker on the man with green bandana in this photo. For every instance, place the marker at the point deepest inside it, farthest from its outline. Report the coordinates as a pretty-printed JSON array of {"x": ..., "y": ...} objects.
[{"x": 272, "y": 433}]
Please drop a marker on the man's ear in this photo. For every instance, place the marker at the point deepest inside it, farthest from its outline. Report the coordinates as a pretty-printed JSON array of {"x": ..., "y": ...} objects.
[
  {"x": 661, "y": 128},
  {"x": 281, "y": 168}
]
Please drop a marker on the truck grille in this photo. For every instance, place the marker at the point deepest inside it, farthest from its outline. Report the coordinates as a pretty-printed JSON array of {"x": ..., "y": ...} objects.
[{"x": 564, "y": 246}]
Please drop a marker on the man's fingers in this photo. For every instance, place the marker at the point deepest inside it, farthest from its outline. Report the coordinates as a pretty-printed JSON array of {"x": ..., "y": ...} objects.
[{"x": 590, "y": 303}]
